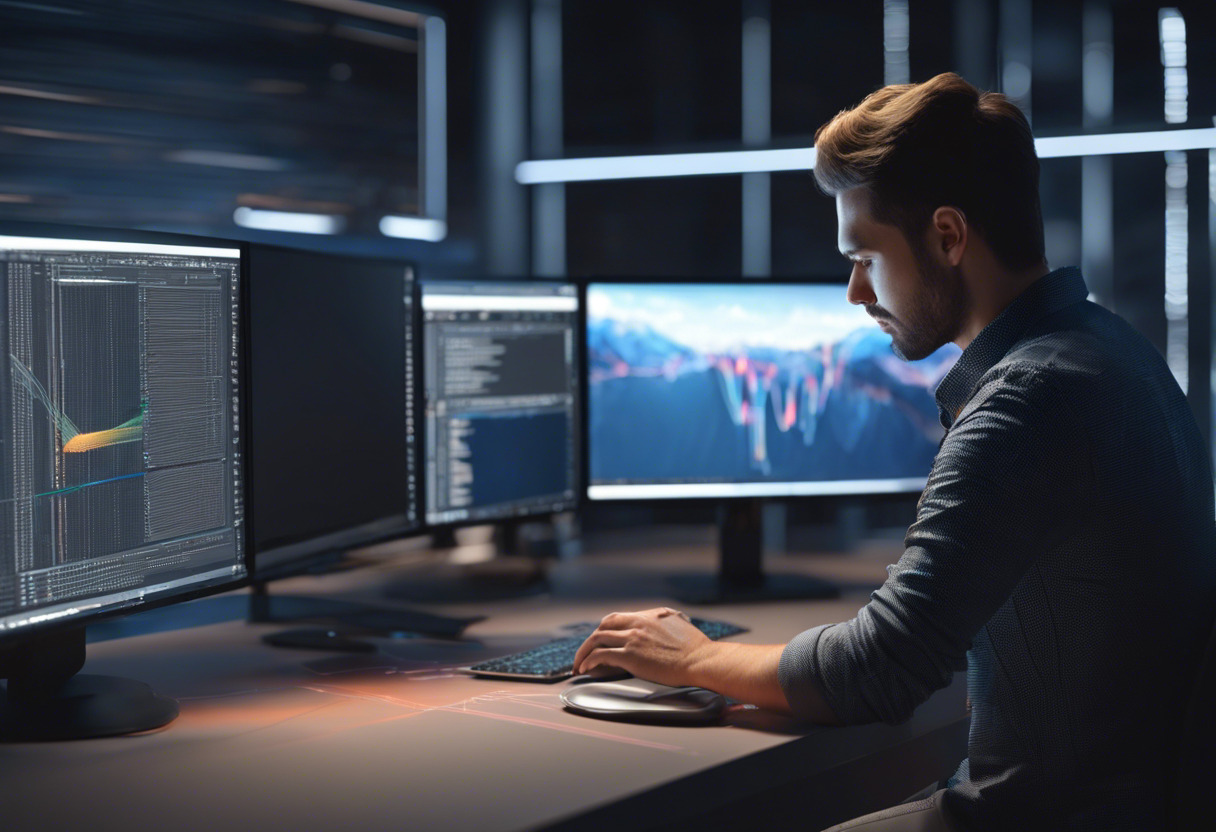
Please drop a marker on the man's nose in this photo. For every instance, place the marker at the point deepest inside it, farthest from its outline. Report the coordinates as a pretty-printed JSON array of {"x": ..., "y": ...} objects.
[{"x": 859, "y": 291}]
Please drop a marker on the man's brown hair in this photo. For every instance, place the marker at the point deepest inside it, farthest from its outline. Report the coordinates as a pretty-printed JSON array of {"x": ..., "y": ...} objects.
[{"x": 917, "y": 147}]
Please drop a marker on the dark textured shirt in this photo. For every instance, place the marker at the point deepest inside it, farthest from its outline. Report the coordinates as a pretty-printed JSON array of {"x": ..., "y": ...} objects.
[{"x": 1064, "y": 554}]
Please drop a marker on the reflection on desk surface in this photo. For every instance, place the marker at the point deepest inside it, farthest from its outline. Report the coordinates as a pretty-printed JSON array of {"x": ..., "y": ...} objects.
[{"x": 292, "y": 739}]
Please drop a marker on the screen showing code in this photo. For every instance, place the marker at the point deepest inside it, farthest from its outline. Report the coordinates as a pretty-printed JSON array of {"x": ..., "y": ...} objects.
[{"x": 501, "y": 395}]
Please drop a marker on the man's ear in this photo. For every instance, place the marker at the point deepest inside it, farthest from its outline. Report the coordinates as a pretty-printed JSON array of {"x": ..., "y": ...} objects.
[{"x": 949, "y": 234}]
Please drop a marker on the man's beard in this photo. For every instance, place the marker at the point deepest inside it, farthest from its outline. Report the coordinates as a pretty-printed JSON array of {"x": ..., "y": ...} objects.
[{"x": 937, "y": 319}]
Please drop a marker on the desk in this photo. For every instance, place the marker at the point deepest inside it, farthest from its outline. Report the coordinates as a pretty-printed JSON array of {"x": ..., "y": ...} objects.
[{"x": 283, "y": 739}]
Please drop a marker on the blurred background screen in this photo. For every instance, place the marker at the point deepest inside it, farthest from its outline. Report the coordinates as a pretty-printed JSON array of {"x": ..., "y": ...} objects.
[{"x": 202, "y": 117}]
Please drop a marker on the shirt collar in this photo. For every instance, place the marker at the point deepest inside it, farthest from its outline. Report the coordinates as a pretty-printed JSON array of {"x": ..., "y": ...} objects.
[{"x": 1050, "y": 293}]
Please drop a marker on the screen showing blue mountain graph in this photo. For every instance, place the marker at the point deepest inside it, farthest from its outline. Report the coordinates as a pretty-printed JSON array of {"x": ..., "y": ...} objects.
[{"x": 758, "y": 389}]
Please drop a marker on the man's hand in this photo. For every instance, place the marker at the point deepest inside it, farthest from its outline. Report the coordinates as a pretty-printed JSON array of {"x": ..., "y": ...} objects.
[{"x": 659, "y": 645}]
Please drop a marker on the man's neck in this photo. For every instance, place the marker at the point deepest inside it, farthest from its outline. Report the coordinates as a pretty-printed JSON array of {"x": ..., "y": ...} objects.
[{"x": 990, "y": 294}]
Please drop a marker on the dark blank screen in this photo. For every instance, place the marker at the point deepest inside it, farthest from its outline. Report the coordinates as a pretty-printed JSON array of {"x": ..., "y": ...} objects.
[{"x": 328, "y": 342}]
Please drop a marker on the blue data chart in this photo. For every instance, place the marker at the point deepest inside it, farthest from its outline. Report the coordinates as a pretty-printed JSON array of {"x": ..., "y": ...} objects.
[{"x": 760, "y": 389}]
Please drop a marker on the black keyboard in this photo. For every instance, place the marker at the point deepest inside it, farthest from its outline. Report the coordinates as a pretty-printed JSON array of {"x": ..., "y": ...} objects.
[{"x": 555, "y": 660}]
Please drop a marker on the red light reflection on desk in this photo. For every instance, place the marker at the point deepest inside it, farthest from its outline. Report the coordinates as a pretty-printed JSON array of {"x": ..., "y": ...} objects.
[{"x": 258, "y": 709}]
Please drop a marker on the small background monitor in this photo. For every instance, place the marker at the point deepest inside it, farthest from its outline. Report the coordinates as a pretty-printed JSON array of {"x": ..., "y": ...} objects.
[
  {"x": 333, "y": 421},
  {"x": 756, "y": 389},
  {"x": 501, "y": 381}
]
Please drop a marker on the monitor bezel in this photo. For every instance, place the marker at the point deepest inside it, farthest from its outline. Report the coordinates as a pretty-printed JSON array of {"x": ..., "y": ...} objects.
[
  {"x": 13, "y": 638},
  {"x": 579, "y": 501},
  {"x": 586, "y": 282},
  {"x": 288, "y": 557}
]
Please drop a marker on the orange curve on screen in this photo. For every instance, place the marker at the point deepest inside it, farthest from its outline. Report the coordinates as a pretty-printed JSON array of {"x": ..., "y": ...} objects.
[{"x": 82, "y": 442}]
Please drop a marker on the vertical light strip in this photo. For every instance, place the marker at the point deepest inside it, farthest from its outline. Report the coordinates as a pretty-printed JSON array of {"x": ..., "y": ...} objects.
[
  {"x": 972, "y": 49},
  {"x": 896, "y": 68},
  {"x": 1097, "y": 174},
  {"x": 757, "y": 79},
  {"x": 432, "y": 225},
  {"x": 757, "y": 213},
  {"x": 1176, "y": 243},
  {"x": 1173, "y": 59},
  {"x": 1173, "y": 63},
  {"x": 548, "y": 200},
  {"x": 503, "y": 110},
  {"x": 1017, "y": 46},
  {"x": 435, "y": 119},
  {"x": 1212, "y": 273}
]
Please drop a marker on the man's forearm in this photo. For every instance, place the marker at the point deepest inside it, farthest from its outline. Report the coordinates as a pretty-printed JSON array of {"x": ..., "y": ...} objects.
[{"x": 748, "y": 672}]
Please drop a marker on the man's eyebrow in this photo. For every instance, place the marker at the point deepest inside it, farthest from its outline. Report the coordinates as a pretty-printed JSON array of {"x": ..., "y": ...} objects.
[{"x": 849, "y": 253}]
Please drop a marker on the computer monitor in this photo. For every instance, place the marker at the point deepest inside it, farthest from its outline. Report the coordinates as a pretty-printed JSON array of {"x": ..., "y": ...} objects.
[
  {"x": 501, "y": 400},
  {"x": 122, "y": 482},
  {"x": 333, "y": 448},
  {"x": 751, "y": 390}
]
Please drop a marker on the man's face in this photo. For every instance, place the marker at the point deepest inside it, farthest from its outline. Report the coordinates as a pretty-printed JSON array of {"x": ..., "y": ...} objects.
[{"x": 915, "y": 298}]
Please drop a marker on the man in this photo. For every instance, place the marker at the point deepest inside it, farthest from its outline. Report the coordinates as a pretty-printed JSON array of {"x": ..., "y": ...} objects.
[{"x": 1064, "y": 550}]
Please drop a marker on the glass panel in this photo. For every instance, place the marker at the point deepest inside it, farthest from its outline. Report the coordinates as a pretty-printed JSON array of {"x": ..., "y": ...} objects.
[
  {"x": 826, "y": 56},
  {"x": 804, "y": 229},
  {"x": 651, "y": 75},
  {"x": 671, "y": 227}
]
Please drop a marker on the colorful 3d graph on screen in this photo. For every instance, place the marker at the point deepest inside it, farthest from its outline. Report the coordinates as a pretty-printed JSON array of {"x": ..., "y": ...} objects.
[{"x": 73, "y": 439}]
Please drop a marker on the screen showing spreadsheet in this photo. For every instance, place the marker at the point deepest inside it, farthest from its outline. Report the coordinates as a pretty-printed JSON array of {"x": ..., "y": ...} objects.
[{"x": 120, "y": 417}]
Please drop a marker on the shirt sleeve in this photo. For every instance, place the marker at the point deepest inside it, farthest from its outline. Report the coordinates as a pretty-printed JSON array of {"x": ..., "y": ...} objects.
[{"x": 1000, "y": 494}]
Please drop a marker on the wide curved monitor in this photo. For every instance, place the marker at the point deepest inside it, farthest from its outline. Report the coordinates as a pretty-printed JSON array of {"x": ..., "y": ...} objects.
[{"x": 756, "y": 389}]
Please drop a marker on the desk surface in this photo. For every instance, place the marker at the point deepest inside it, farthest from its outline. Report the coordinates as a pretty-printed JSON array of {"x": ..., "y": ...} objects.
[{"x": 302, "y": 740}]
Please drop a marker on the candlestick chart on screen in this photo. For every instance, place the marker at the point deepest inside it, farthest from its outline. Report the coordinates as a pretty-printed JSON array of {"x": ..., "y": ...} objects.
[{"x": 735, "y": 383}]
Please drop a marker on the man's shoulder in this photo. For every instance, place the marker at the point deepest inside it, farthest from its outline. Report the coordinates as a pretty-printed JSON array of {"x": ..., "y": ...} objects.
[
  {"x": 1070, "y": 362},
  {"x": 1080, "y": 351}
]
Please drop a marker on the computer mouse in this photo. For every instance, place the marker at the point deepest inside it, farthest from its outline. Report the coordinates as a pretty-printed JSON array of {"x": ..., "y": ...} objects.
[
  {"x": 640, "y": 701},
  {"x": 602, "y": 673}
]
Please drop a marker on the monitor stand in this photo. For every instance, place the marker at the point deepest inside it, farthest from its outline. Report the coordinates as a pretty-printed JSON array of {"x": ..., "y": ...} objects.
[
  {"x": 337, "y": 621},
  {"x": 741, "y": 577},
  {"x": 516, "y": 567},
  {"x": 45, "y": 699}
]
